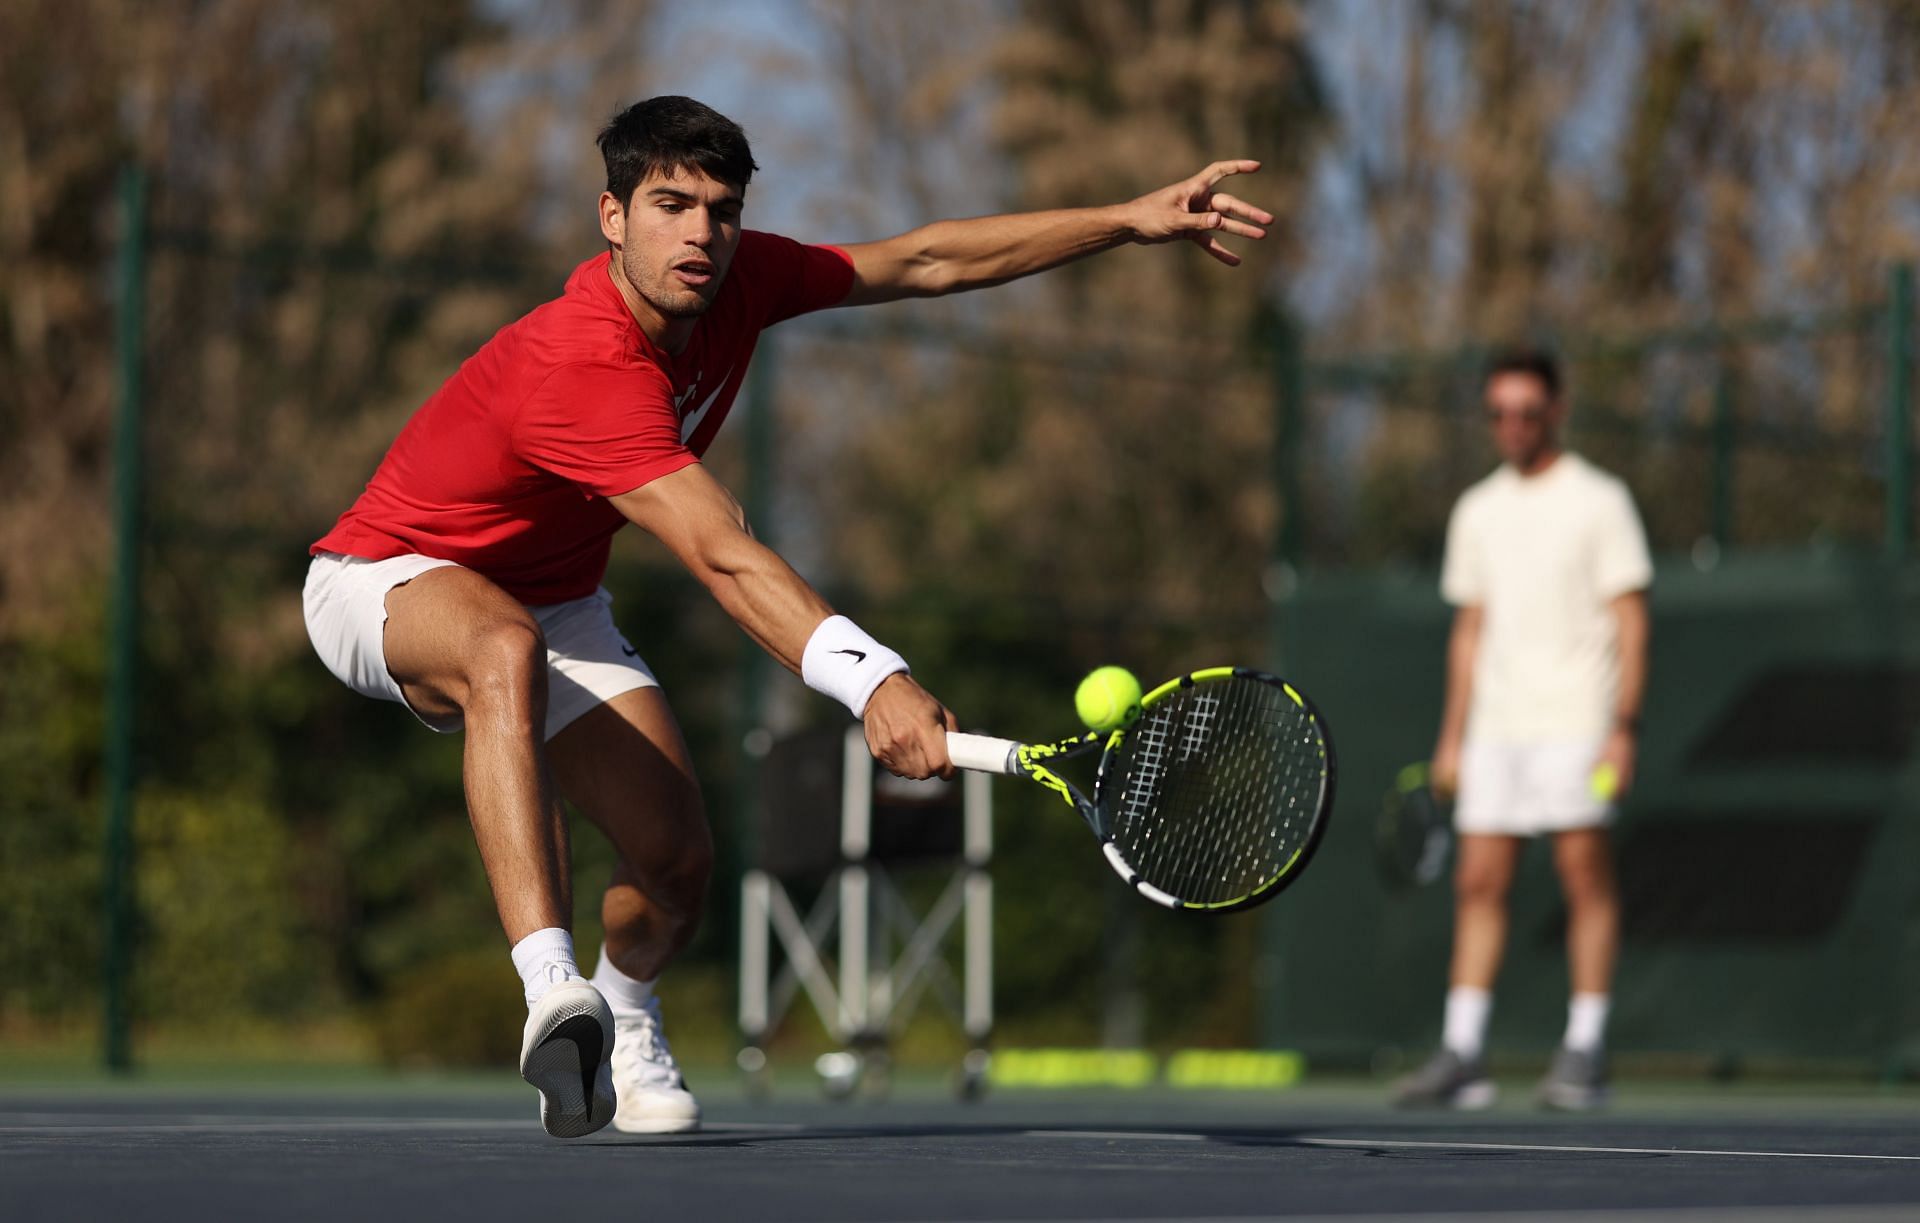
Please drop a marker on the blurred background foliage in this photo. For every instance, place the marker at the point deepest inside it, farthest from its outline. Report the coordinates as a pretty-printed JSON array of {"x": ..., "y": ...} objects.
[{"x": 1012, "y": 486}]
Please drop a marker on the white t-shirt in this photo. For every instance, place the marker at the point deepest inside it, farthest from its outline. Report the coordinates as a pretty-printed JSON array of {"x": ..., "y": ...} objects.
[{"x": 1543, "y": 556}]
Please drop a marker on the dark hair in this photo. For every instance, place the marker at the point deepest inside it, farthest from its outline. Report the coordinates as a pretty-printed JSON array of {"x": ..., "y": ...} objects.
[
  {"x": 667, "y": 135},
  {"x": 1535, "y": 361}
]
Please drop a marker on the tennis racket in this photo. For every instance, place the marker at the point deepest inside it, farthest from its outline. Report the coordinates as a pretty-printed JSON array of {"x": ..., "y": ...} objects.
[
  {"x": 1413, "y": 837},
  {"x": 1213, "y": 799}
]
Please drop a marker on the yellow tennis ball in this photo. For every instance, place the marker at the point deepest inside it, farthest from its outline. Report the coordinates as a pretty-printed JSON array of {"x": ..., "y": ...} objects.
[
  {"x": 1605, "y": 782},
  {"x": 1108, "y": 699}
]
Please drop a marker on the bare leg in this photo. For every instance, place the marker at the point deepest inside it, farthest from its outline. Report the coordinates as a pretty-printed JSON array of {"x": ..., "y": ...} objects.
[
  {"x": 458, "y": 644},
  {"x": 626, "y": 767},
  {"x": 1481, "y": 881},
  {"x": 1584, "y": 860}
]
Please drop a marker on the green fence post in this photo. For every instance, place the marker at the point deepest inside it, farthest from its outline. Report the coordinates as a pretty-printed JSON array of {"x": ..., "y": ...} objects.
[
  {"x": 1289, "y": 423},
  {"x": 1723, "y": 452},
  {"x": 1899, "y": 410},
  {"x": 750, "y": 704},
  {"x": 1288, "y": 385},
  {"x": 123, "y": 645}
]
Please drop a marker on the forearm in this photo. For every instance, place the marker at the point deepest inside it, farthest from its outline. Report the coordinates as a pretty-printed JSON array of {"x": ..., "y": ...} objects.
[
  {"x": 1630, "y": 612},
  {"x": 774, "y": 605},
  {"x": 954, "y": 256},
  {"x": 705, "y": 529},
  {"x": 1463, "y": 645}
]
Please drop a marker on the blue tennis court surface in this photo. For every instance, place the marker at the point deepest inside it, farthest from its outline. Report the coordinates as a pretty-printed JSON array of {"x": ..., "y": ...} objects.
[{"x": 476, "y": 1153}]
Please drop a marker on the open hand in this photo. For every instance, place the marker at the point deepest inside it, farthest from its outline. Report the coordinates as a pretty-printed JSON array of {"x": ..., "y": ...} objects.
[{"x": 1192, "y": 209}]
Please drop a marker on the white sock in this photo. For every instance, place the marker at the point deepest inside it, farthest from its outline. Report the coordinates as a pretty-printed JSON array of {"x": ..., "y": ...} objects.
[
  {"x": 1465, "y": 1032},
  {"x": 624, "y": 994},
  {"x": 544, "y": 959},
  {"x": 1586, "y": 1022}
]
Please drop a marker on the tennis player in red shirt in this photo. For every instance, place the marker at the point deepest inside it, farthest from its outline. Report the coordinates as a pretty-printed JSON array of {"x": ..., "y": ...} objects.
[{"x": 465, "y": 581}]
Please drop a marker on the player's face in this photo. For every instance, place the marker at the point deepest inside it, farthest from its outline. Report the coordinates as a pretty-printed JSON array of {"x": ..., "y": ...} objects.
[
  {"x": 676, "y": 240},
  {"x": 1525, "y": 419}
]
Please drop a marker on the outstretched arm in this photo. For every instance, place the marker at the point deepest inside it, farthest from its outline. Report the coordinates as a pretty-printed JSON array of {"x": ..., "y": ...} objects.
[
  {"x": 954, "y": 256},
  {"x": 703, "y": 526}
]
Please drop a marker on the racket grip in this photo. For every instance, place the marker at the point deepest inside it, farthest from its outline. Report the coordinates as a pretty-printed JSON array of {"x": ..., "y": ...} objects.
[{"x": 981, "y": 753}]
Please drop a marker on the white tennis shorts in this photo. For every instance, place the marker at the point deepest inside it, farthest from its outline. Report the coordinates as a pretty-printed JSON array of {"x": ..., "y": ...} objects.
[
  {"x": 588, "y": 661},
  {"x": 1526, "y": 789}
]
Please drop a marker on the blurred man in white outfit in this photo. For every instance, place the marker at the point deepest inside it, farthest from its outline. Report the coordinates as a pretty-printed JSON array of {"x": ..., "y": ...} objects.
[{"x": 1547, "y": 569}]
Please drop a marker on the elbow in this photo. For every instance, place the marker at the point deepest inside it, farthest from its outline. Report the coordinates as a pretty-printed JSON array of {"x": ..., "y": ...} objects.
[
  {"x": 715, "y": 568},
  {"x": 718, "y": 560},
  {"x": 931, "y": 277}
]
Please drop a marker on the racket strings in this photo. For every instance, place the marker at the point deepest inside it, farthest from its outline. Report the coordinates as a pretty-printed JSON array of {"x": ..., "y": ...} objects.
[{"x": 1219, "y": 789}]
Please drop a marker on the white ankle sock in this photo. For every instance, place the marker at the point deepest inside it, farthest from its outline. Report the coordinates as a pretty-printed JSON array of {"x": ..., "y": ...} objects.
[
  {"x": 624, "y": 994},
  {"x": 544, "y": 959},
  {"x": 1586, "y": 1022},
  {"x": 1468, "y": 1008}
]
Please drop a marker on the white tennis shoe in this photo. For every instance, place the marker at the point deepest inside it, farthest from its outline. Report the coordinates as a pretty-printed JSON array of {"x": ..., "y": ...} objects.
[
  {"x": 566, "y": 1055},
  {"x": 653, "y": 1095}
]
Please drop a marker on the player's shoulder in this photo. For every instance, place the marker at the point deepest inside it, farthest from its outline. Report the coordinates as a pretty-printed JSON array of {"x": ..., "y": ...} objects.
[
  {"x": 761, "y": 241},
  {"x": 1594, "y": 480},
  {"x": 587, "y": 325},
  {"x": 761, "y": 253},
  {"x": 1484, "y": 491}
]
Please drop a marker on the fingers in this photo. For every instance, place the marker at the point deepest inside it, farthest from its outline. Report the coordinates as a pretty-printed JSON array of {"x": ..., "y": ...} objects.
[
  {"x": 1210, "y": 244},
  {"x": 1225, "y": 169},
  {"x": 1216, "y": 220},
  {"x": 933, "y": 745},
  {"x": 1222, "y": 217},
  {"x": 908, "y": 734},
  {"x": 1234, "y": 207}
]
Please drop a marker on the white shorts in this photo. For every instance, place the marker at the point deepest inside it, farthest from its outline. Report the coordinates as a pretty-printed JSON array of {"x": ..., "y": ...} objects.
[
  {"x": 1525, "y": 789},
  {"x": 588, "y": 661}
]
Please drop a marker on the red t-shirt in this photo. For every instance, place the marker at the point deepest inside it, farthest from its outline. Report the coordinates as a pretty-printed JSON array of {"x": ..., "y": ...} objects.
[{"x": 508, "y": 467}]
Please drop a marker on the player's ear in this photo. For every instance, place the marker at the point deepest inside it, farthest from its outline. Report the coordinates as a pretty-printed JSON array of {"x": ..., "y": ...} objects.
[{"x": 613, "y": 218}]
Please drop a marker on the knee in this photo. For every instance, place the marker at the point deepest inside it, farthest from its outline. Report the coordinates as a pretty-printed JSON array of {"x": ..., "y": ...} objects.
[
  {"x": 1587, "y": 882},
  {"x": 675, "y": 870},
  {"x": 1475, "y": 884},
  {"x": 692, "y": 870},
  {"x": 507, "y": 666}
]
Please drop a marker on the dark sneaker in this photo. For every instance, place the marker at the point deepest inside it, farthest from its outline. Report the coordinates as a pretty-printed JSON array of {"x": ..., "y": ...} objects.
[
  {"x": 1576, "y": 1082},
  {"x": 1447, "y": 1081}
]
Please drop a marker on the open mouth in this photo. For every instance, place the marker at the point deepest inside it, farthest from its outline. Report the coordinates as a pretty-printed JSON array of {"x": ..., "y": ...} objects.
[{"x": 695, "y": 274}]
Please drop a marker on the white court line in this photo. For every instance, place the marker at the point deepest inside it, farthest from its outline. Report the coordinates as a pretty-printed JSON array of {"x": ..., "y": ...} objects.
[
  {"x": 1528, "y": 1146},
  {"x": 1897, "y": 1213},
  {"x": 1147, "y": 1136},
  {"x": 1114, "y": 1134},
  {"x": 51, "y": 1124},
  {"x": 47, "y": 1124},
  {"x": 61, "y": 1123}
]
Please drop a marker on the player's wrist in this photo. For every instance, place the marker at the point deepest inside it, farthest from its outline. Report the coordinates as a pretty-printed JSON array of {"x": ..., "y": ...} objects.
[
  {"x": 1126, "y": 222},
  {"x": 1626, "y": 724},
  {"x": 843, "y": 661}
]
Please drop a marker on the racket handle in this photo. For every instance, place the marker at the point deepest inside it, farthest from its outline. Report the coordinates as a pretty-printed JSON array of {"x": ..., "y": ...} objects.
[{"x": 981, "y": 753}]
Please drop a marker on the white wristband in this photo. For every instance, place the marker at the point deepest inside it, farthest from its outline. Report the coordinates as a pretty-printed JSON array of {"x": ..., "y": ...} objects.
[{"x": 844, "y": 663}]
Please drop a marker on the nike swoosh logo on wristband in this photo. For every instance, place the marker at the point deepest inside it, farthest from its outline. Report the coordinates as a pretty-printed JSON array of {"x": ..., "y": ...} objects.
[{"x": 859, "y": 656}]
